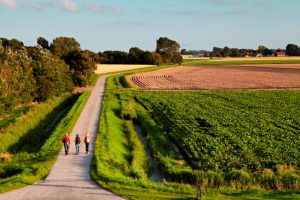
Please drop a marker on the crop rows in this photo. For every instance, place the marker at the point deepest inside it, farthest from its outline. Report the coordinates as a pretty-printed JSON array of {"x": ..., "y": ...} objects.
[{"x": 231, "y": 130}]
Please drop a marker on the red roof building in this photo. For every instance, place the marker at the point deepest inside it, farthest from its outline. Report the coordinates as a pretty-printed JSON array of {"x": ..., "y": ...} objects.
[{"x": 280, "y": 54}]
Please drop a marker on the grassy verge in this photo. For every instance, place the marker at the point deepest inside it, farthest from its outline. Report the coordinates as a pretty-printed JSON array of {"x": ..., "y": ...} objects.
[
  {"x": 193, "y": 62},
  {"x": 30, "y": 145},
  {"x": 117, "y": 164},
  {"x": 13, "y": 116},
  {"x": 93, "y": 79}
]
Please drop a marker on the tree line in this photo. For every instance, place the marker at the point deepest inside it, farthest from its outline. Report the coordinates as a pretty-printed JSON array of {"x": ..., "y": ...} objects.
[
  {"x": 290, "y": 50},
  {"x": 167, "y": 51},
  {"x": 29, "y": 74}
]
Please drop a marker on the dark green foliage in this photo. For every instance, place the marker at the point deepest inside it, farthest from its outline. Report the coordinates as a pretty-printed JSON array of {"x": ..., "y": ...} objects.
[
  {"x": 116, "y": 57},
  {"x": 82, "y": 66},
  {"x": 43, "y": 42},
  {"x": 11, "y": 170},
  {"x": 246, "y": 129},
  {"x": 235, "y": 52},
  {"x": 135, "y": 56},
  {"x": 17, "y": 83},
  {"x": 62, "y": 46},
  {"x": 51, "y": 74},
  {"x": 292, "y": 50},
  {"x": 169, "y": 50},
  {"x": 35, "y": 74},
  {"x": 156, "y": 59},
  {"x": 14, "y": 44}
]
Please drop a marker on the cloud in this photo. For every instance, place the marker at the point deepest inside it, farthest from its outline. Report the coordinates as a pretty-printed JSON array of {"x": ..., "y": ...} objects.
[
  {"x": 95, "y": 7},
  {"x": 9, "y": 3},
  {"x": 69, "y": 5},
  {"x": 116, "y": 9},
  {"x": 35, "y": 6}
]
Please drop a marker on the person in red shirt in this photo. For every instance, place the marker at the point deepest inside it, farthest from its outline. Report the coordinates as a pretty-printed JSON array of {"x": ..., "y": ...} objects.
[
  {"x": 87, "y": 141},
  {"x": 67, "y": 142}
]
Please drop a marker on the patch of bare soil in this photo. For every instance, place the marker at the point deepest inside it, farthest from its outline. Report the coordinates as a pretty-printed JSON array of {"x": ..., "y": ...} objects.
[
  {"x": 275, "y": 76},
  {"x": 83, "y": 89}
]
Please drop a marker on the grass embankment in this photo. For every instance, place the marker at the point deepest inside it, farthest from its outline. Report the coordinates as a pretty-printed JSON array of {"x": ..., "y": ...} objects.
[
  {"x": 94, "y": 79},
  {"x": 202, "y": 62},
  {"x": 30, "y": 145},
  {"x": 13, "y": 116},
  {"x": 119, "y": 163}
]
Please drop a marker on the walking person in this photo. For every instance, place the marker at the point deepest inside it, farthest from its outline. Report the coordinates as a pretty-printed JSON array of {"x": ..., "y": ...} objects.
[
  {"x": 87, "y": 141},
  {"x": 77, "y": 144},
  {"x": 67, "y": 142}
]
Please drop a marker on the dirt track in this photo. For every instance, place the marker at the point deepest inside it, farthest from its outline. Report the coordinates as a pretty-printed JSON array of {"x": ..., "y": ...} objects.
[{"x": 273, "y": 76}]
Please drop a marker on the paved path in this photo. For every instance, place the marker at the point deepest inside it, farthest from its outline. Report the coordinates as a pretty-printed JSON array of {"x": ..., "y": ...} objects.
[{"x": 70, "y": 178}]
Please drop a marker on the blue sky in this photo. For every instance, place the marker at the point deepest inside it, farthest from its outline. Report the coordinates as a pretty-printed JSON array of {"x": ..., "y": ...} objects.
[{"x": 120, "y": 24}]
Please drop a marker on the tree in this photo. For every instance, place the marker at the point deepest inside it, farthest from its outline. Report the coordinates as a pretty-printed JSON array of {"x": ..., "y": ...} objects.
[
  {"x": 217, "y": 52},
  {"x": 116, "y": 57},
  {"x": 13, "y": 44},
  {"x": 168, "y": 49},
  {"x": 226, "y": 52},
  {"x": 261, "y": 49},
  {"x": 156, "y": 59},
  {"x": 52, "y": 75},
  {"x": 82, "y": 67},
  {"x": 16, "y": 80},
  {"x": 43, "y": 42},
  {"x": 292, "y": 50},
  {"x": 183, "y": 52},
  {"x": 62, "y": 46},
  {"x": 135, "y": 56}
]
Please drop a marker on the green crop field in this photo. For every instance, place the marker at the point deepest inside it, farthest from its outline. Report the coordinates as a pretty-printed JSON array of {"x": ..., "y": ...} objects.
[
  {"x": 231, "y": 130},
  {"x": 242, "y": 145}
]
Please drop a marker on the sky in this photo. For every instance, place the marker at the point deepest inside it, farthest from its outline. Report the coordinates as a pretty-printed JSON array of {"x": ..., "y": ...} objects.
[{"x": 101, "y": 25}]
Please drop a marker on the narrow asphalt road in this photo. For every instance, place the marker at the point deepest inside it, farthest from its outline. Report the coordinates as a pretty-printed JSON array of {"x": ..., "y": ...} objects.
[{"x": 70, "y": 178}]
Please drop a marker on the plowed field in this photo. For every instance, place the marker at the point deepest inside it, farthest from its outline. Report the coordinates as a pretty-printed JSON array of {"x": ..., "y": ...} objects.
[{"x": 273, "y": 76}]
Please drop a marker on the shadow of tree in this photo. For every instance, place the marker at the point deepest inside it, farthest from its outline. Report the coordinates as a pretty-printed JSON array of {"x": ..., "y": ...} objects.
[{"x": 34, "y": 139}]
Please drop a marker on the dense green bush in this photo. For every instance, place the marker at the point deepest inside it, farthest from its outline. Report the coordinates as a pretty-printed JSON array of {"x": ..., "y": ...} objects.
[{"x": 30, "y": 74}]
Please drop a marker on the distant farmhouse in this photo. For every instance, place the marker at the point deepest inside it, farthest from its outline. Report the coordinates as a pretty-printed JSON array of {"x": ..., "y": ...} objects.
[{"x": 280, "y": 54}]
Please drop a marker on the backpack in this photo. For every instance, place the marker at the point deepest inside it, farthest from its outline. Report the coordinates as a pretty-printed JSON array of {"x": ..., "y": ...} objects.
[{"x": 77, "y": 140}]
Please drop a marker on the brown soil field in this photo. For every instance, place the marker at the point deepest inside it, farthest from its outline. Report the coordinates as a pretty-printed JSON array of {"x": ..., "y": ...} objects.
[{"x": 271, "y": 76}]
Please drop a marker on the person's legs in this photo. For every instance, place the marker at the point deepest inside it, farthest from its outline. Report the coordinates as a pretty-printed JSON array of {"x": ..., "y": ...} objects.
[
  {"x": 87, "y": 147},
  {"x": 77, "y": 149},
  {"x": 66, "y": 148}
]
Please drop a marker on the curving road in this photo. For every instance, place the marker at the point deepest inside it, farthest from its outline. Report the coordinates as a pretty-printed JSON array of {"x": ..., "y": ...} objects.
[{"x": 70, "y": 178}]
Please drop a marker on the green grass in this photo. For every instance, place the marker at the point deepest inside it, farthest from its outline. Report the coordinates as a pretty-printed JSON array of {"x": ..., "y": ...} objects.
[
  {"x": 113, "y": 167},
  {"x": 93, "y": 79},
  {"x": 34, "y": 140},
  {"x": 13, "y": 116},
  {"x": 195, "y": 62},
  {"x": 242, "y": 133}
]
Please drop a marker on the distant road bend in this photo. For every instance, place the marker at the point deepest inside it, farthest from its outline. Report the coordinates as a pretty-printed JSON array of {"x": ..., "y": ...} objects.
[{"x": 70, "y": 178}]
